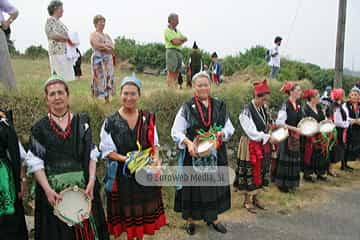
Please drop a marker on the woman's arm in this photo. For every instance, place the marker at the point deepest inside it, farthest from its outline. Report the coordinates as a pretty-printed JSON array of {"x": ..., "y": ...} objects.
[
  {"x": 107, "y": 146},
  {"x": 52, "y": 34},
  {"x": 97, "y": 44},
  {"x": 13, "y": 12},
  {"x": 42, "y": 180},
  {"x": 178, "y": 133}
]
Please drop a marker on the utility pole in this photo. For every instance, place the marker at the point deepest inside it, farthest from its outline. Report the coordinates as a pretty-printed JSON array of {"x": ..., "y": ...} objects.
[{"x": 340, "y": 41}]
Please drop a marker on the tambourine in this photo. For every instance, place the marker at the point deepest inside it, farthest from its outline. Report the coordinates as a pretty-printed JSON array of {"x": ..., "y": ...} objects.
[
  {"x": 326, "y": 126},
  {"x": 75, "y": 206},
  {"x": 308, "y": 126},
  {"x": 280, "y": 134},
  {"x": 204, "y": 148}
]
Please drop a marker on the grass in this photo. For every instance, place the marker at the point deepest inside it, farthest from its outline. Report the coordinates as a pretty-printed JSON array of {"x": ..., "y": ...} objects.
[
  {"x": 29, "y": 106},
  {"x": 32, "y": 74}
]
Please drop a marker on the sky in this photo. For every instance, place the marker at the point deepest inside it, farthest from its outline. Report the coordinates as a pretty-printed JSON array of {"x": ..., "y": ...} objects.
[{"x": 308, "y": 27}]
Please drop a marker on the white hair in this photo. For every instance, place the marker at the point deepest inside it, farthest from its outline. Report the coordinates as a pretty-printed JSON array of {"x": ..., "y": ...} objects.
[{"x": 201, "y": 74}]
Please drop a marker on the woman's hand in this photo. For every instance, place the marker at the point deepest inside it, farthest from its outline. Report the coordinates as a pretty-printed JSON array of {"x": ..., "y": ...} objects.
[
  {"x": 90, "y": 189},
  {"x": 191, "y": 148},
  {"x": 356, "y": 121},
  {"x": 220, "y": 134},
  {"x": 52, "y": 196},
  {"x": 273, "y": 141},
  {"x": 156, "y": 162}
]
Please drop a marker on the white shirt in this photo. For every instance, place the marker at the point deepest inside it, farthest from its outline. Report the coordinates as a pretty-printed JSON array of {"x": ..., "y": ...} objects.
[
  {"x": 108, "y": 146},
  {"x": 249, "y": 127},
  {"x": 275, "y": 61},
  {"x": 282, "y": 116},
  {"x": 180, "y": 125},
  {"x": 6, "y": 7},
  {"x": 71, "y": 52},
  {"x": 338, "y": 121}
]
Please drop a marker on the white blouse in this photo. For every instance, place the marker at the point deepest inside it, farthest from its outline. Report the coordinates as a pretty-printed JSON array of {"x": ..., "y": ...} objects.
[
  {"x": 34, "y": 163},
  {"x": 282, "y": 116},
  {"x": 249, "y": 127},
  {"x": 180, "y": 125},
  {"x": 22, "y": 152},
  {"x": 108, "y": 146},
  {"x": 6, "y": 7},
  {"x": 338, "y": 121},
  {"x": 344, "y": 106}
]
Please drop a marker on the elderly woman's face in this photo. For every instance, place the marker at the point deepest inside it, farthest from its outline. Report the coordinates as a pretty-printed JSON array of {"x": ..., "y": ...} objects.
[
  {"x": 57, "y": 98},
  {"x": 100, "y": 25},
  {"x": 202, "y": 87},
  {"x": 59, "y": 11},
  {"x": 129, "y": 96}
]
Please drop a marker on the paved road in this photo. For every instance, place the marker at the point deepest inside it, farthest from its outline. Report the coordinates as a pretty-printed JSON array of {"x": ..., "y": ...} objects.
[{"x": 338, "y": 219}]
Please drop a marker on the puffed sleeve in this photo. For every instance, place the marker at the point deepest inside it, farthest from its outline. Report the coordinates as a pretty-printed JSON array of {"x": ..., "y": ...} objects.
[
  {"x": 107, "y": 144},
  {"x": 250, "y": 130},
  {"x": 178, "y": 129},
  {"x": 34, "y": 157},
  {"x": 282, "y": 116}
]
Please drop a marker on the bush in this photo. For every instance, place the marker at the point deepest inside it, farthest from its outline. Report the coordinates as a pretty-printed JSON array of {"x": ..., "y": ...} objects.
[
  {"x": 35, "y": 52},
  {"x": 145, "y": 55},
  {"x": 29, "y": 106}
]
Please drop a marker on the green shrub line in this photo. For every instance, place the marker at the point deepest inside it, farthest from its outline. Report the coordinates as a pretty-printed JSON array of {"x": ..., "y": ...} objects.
[
  {"x": 29, "y": 106},
  {"x": 152, "y": 55}
]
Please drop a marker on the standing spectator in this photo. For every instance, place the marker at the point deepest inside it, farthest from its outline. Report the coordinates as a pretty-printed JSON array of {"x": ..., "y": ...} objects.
[
  {"x": 215, "y": 68},
  {"x": 181, "y": 75},
  {"x": 275, "y": 58},
  {"x": 195, "y": 61},
  {"x": 102, "y": 61},
  {"x": 6, "y": 71},
  {"x": 174, "y": 39},
  {"x": 57, "y": 34},
  {"x": 77, "y": 66},
  {"x": 325, "y": 98}
]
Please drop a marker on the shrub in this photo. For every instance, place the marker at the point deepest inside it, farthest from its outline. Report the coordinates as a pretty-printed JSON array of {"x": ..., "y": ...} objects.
[
  {"x": 35, "y": 52},
  {"x": 145, "y": 55},
  {"x": 29, "y": 106}
]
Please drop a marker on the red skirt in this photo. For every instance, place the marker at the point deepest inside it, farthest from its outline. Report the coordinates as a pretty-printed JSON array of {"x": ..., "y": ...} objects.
[
  {"x": 257, "y": 151},
  {"x": 215, "y": 78},
  {"x": 135, "y": 209}
]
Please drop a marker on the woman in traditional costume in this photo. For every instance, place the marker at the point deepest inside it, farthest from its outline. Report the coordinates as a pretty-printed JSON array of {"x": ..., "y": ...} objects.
[
  {"x": 336, "y": 112},
  {"x": 353, "y": 134},
  {"x": 62, "y": 155},
  {"x": 12, "y": 218},
  {"x": 254, "y": 154},
  {"x": 131, "y": 207},
  {"x": 316, "y": 147},
  {"x": 287, "y": 174},
  {"x": 102, "y": 61},
  {"x": 202, "y": 114}
]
